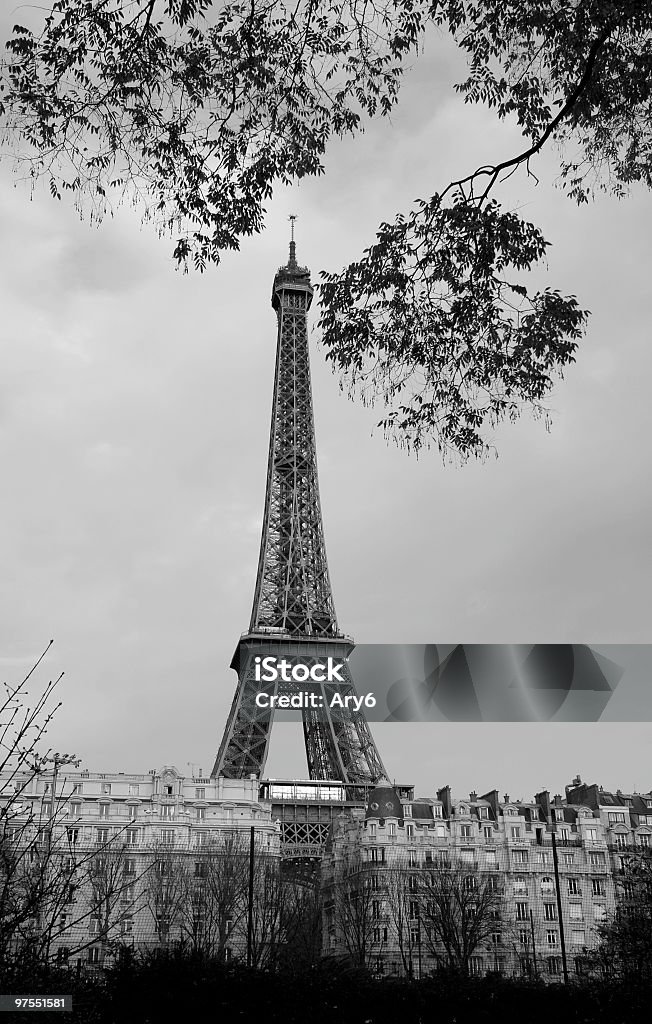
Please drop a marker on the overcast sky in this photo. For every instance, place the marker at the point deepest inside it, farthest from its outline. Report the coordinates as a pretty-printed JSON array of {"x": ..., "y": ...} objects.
[{"x": 134, "y": 422}]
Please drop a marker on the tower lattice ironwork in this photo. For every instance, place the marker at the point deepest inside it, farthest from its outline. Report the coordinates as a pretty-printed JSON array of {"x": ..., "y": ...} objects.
[{"x": 293, "y": 614}]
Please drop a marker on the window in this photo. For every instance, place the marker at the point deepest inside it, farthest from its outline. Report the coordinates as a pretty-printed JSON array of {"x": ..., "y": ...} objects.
[
  {"x": 466, "y": 855},
  {"x": 616, "y": 817},
  {"x": 568, "y": 858},
  {"x": 167, "y": 811},
  {"x": 414, "y": 935},
  {"x": 596, "y": 859},
  {"x": 94, "y": 925},
  {"x": 488, "y": 831},
  {"x": 130, "y": 866},
  {"x": 622, "y": 840},
  {"x": 167, "y": 836},
  {"x": 76, "y": 788},
  {"x": 599, "y": 912},
  {"x": 46, "y": 810},
  {"x": 520, "y": 887},
  {"x": 102, "y": 835},
  {"x": 93, "y": 955},
  {"x": 563, "y": 834},
  {"x": 597, "y": 887},
  {"x": 522, "y": 912},
  {"x": 375, "y": 909},
  {"x": 201, "y": 816},
  {"x": 543, "y": 857},
  {"x": 47, "y": 788},
  {"x": 200, "y": 793},
  {"x": 547, "y": 885},
  {"x": 413, "y": 858},
  {"x": 63, "y": 921},
  {"x": 465, "y": 831},
  {"x": 377, "y": 854},
  {"x": 168, "y": 790},
  {"x": 392, "y": 828},
  {"x": 496, "y": 939},
  {"x": 73, "y": 835},
  {"x": 550, "y": 912},
  {"x": 519, "y": 856},
  {"x": 490, "y": 858},
  {"x": 129, "y": 892},
  {"x": 523, "y": 937},
  {"x": 441, "y": 831},
  {"x": 574, "y": 887},
  {"x": 75, "y": 810},
  {"x": 134, "y": 789},
  {"x": 201, "y": 869},
  {"x": 133, "y": 811},
  {"x": 575, "y": 911},
  {"x": 643, "y": 839},
  {"x": 578, "y": 937},
  {"x": 414, "y": 910},
  {"x": 127, "y": 925},
  {"x": 483, "y": 812},
  {"x": 551, "y": 937},
  {"x": 105, "y": 788},
  {"x": 409, "y": 831},
  {"x": 413, "y": 883},
  {"x": 104, "y": 811},
  {"x": 554, "y": 965},
  {"x": 475, "y": 965},
  {"x": 591, "y": 834},
  {"x": 515, "y": 831}
]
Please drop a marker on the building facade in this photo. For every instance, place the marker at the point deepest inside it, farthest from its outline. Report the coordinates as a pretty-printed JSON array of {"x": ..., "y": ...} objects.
[
  {"x": 102, "y": 859},
  {"x": 483, "y": 884}
]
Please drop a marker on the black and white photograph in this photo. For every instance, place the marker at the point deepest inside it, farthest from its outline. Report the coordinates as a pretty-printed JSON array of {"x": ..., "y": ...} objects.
[{"x": 325, "y": 514}]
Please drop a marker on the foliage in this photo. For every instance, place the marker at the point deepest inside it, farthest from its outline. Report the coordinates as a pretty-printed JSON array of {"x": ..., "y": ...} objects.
[
  {"x": 197, "y": 110},
  {"x": 626, "y": 940},
  {"x": 199, "y": 107}
]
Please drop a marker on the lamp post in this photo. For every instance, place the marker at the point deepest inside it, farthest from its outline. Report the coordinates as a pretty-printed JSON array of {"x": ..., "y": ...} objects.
[{"x": 250, "y": 907}]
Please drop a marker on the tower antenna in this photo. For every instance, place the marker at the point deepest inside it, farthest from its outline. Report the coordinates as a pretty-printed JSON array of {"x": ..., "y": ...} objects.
[{"x": 293, "y": 245}]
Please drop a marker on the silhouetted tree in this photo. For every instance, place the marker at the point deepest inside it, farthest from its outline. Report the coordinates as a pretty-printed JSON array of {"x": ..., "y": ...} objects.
[{"x": 195, "y": 110}]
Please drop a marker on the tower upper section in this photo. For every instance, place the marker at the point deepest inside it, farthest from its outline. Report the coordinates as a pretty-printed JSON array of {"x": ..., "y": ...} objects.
[{"x": 293, "y": 592}]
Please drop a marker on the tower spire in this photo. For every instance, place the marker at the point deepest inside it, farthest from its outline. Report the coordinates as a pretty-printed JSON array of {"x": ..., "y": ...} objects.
[{"x": 293, "y": 246}]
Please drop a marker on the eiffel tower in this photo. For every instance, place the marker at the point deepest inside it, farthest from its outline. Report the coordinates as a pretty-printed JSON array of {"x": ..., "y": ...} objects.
[{"x": 293, "y": 614}]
